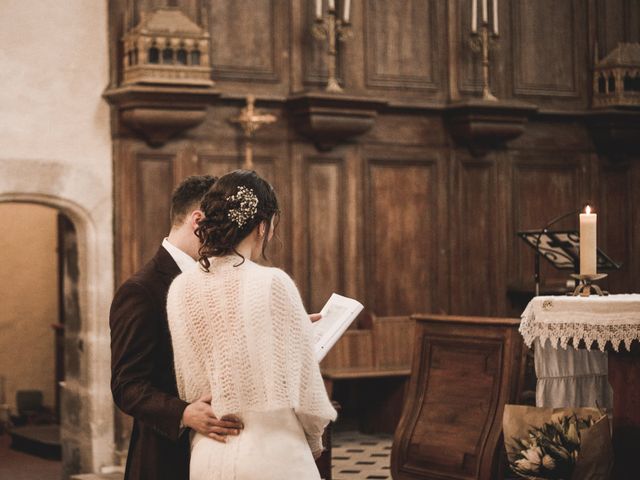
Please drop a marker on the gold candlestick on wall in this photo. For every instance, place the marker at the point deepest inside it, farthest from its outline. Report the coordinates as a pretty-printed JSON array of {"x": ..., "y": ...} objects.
[
  {"x": 250, "y": 120},
  {"x": 481, "y": 43},
  {"x": 333, "y": 30}
]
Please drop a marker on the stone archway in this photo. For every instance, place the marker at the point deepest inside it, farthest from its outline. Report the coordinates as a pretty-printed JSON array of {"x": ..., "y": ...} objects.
[{"x": 87, "y": 407}]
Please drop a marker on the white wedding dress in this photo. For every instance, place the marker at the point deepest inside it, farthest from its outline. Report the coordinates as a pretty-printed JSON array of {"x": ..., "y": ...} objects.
[{"x": 241, "y": 333}]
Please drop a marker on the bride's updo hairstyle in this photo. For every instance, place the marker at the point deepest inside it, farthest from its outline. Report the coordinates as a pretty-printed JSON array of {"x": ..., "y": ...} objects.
[{"x": 236, "y": 204}]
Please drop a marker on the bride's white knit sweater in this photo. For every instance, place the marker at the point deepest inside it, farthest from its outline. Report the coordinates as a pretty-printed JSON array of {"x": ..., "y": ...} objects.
[{"x": 241, "y": 333}]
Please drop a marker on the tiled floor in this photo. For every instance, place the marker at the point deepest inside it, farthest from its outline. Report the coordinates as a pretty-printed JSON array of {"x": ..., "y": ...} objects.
[
  {"x": 359, "y": 456},
  {"x": 355, "y": 457}
]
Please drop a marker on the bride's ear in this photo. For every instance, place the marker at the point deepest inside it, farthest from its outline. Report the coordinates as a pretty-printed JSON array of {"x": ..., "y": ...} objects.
[{"x": 262, "y": 228}]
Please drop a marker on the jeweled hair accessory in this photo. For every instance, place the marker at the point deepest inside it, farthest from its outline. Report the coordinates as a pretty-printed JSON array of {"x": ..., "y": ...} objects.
[{"x": 248, "y": 206}]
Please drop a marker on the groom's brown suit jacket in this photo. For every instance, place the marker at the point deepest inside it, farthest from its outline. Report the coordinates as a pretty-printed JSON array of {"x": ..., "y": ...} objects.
[{"x": 143, "y": 381}]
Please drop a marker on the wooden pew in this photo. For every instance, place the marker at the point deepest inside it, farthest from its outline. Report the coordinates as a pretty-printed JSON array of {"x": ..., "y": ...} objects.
[
  {"x": 465, "y": 369},
  {"x": 377, "y": 360}
]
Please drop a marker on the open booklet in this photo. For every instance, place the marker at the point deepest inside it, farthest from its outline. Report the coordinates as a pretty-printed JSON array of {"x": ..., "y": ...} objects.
[{"x": 337, "y": 314}]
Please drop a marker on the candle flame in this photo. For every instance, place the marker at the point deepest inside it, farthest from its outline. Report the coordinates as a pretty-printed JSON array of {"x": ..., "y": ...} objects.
[{"x": 587, "y": 210}]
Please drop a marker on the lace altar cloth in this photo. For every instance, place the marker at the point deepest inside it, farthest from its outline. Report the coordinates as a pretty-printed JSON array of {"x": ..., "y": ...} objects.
[{"x": 612, "y": 318}]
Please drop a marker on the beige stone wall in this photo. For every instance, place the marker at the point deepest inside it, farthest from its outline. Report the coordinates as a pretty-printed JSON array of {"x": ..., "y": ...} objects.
[
  {"x": 54, "y": 63},
  {"x": 29, "y": 282},
  {"x": 56, "y": 151}
]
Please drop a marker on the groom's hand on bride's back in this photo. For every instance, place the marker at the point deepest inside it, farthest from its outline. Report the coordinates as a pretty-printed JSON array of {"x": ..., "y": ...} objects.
[{"x": 200, "y": 417}]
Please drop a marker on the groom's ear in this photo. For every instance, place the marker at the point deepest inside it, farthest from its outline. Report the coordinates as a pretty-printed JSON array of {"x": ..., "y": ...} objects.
[{"x": 195, "y": 217}]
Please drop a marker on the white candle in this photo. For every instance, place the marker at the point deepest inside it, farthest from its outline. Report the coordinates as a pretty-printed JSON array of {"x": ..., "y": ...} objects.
[
  {"x": 332, "y": 4},
  {"x": 318, "y": 9},
  {"x": 474, "y": 16},
  {"x": 588, "y": 235},
  {"x": 347, "y": 11},
  {"x": 485, "y": 13},
  {"x": 495, "y": 17}
]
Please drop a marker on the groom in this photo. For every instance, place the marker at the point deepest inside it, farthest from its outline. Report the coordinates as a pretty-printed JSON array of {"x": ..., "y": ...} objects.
[{"x": 143, "y": 382}]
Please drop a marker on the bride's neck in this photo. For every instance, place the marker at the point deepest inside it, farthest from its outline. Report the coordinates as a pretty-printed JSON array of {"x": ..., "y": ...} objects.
[{"x": 248, "y": 247}]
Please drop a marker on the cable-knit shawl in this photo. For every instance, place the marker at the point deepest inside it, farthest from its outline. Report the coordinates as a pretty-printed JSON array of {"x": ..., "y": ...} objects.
[{"x": 241, "y": 333}]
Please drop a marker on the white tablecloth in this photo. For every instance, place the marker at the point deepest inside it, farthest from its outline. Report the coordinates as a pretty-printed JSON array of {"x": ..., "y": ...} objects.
[
  {"x": 569, "y": 377},
  {"x": 614, "y": 318}
]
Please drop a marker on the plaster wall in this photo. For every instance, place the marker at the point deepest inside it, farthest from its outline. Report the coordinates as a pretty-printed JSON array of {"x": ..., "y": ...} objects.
[
  {"x": 55, "y": 150},
  {"x": 29, "y": 282}
]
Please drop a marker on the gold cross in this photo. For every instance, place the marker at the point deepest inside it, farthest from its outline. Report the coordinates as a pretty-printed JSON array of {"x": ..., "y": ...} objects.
[{"x": 250, "y": 120}]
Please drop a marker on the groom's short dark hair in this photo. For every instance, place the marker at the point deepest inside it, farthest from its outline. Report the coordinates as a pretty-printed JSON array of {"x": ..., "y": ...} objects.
[{"x": 188, "y": 195}]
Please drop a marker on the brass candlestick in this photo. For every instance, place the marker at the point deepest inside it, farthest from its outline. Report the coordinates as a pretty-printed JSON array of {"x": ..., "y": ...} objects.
[
  {"x": 333, "y": 30},
  {"x": 250, "y": 120},
  {"x": 480, "y": 43},
  {"x": 585, "y": 284}
]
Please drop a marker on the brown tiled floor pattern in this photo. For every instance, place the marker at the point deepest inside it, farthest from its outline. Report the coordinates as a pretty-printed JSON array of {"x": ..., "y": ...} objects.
[{"x": 359, "y": 456}]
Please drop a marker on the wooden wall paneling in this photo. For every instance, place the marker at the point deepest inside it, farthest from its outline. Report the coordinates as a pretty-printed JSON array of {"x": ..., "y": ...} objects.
[
  {"x": 192, "y": 8},
  {"x": 356, "y": 283},
  {"x": 246, "y": 39},
  {"x": 154, "y": 185},
  {"x": 116, "y": 30},
  {"x": 543, "y": 185},
  {"x": 453, "y": 50},
  {"x": 405, "y": 42},
  {"x": 141, "y": 7},
  {"x": 615, "y": 222},
  {"x": 410, "y": 129},
  {"x": 634, "y": 261},
  {"x": 325, "y": 220},
  {"x": 393, "y": 340},
  {"x": 300, "y": 37},
  {"x": 354, "y": 351},
  {"x": 124, "y": 174},
  {"x": 326, "y": 239},
  {"x": 186, "y": 162},
  {"x": 299, "y": 234},
  {"x": 549, "y": 51},
  {"x": 327, "y": 223},
  {"x": 218, "y": 164},
  {"x": 632, "y": 17},
  {"x": 610, "y": 16},
  {"x": 402, "y": 220},
  {"x": 478, "y": 255},
  {"x": 144, "y": 181}
]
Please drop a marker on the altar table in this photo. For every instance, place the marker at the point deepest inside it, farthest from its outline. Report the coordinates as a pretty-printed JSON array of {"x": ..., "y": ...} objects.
[{"x": 611, "y": 324}]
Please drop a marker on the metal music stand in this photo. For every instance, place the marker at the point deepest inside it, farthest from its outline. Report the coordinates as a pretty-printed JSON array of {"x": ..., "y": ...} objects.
[{"x": 562, "y": 250}]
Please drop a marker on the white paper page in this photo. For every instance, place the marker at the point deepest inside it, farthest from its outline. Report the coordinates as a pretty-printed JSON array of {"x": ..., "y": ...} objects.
[{"x": 337, "y": 314}]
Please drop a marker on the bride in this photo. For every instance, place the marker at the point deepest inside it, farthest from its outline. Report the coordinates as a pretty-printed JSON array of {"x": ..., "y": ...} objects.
[{"x": 240, "y": 333}]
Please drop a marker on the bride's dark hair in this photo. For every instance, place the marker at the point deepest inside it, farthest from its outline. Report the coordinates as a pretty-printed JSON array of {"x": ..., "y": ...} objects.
[{"x": 230, "y": 215}]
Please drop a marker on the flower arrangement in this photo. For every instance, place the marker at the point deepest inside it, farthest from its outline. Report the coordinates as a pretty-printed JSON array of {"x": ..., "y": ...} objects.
[{"x": 550, "y": 451}]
